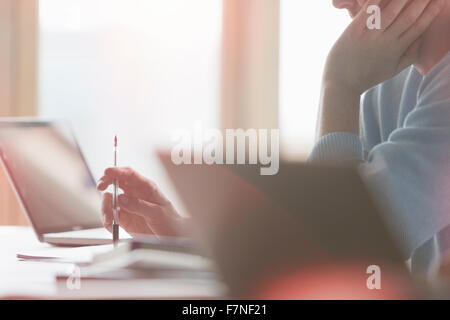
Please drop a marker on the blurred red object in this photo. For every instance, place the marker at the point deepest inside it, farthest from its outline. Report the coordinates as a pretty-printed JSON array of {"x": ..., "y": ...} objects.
[{"x": 335, "y": 282}]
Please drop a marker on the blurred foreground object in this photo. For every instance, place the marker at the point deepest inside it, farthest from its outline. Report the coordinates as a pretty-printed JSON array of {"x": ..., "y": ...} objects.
[{"x": 303, "y": 220}]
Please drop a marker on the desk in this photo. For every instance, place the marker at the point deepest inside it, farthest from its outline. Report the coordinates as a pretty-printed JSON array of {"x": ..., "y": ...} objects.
[{"x": 32, "y": 279}]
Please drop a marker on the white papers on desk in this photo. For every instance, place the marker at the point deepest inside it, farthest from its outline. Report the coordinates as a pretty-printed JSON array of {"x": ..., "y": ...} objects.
[
  {"x": 148, "y": 263},
  {"x": 77, "y": 255}
]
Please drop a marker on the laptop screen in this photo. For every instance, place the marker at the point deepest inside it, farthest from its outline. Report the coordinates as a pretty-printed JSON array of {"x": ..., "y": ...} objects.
[{"x": 50, "y": 176}]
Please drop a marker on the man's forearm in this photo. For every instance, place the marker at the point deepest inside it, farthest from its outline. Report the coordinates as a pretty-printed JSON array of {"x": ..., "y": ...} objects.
[{"x": 339, "y": 110}]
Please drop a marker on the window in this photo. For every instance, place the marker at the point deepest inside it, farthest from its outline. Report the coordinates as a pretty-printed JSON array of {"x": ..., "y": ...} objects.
[
  {"x": 135, "y": 68},
  {"x": 308, "y": 31}
]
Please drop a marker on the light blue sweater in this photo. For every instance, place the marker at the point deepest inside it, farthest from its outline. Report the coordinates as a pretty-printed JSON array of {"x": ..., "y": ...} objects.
[{"x": 404, "y": 152}]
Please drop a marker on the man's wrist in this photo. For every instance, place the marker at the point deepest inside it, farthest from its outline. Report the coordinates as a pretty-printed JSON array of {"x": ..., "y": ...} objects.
[
  {"x": 340, "y": 95},
  {"x": 341, "y": 86},
  {"x": 339, "y": 109}
]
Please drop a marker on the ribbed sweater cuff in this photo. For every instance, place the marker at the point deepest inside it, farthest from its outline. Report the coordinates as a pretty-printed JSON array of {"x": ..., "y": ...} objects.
[{"x": 337, "y": 148}]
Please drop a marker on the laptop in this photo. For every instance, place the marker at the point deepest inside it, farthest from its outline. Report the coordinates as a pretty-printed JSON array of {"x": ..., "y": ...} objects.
[
  {"x": 303, "y": 218},
  {"x": 53, "y": 183}
]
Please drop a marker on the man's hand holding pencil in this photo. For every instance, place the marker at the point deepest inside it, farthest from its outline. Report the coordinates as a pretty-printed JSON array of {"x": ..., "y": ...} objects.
[{"x": 142, "y": 208}]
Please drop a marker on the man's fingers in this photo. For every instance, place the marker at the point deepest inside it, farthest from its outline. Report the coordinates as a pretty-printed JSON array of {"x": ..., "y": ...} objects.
[
  {"x": 140, "y": 207},
  {"x": 133, "y": 184},
  {"x": 154, "y": 214},
  {"x": 422, "y": 24},
  {"x": 361, "y": 17},
  {"x": 391, "y": 11},
  {"x": 102, "y": 184},
  {"x": 410, "y": 16},
  {"x": 121, "y": 174},
  {"x": 107, "y": 212},
  {"x": 105, "y": 182}
]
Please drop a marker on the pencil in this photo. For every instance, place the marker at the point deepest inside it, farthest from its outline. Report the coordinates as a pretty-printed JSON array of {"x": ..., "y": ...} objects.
[{"x": 115, "y": 212}]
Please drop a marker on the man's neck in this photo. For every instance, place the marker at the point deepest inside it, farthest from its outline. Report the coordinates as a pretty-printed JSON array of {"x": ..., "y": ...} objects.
[{"x": 436, "y": 43}]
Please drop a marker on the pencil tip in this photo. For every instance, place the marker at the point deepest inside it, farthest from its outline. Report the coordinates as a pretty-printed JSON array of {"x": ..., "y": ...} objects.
[{"x": 115, "y": 140}]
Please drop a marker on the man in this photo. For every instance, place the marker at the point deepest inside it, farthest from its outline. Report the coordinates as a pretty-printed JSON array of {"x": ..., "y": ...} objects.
[{"x": 404, "y": 143}]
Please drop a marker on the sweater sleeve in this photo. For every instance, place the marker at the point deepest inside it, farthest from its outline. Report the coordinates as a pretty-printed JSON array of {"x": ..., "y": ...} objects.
[
  {"x": 410, "y": 172},
  {"x": 339, "y": 148}
]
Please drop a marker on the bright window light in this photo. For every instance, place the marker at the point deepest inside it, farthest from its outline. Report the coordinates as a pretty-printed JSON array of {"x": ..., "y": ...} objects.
[
  {"x": 308, "y": 31},
  {"x": 136, "y": 68},
  {"x": 140, "y": 69}
]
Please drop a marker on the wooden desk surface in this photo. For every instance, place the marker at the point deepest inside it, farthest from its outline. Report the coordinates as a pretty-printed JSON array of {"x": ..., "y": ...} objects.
[{"x": 33, "y": 279}]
